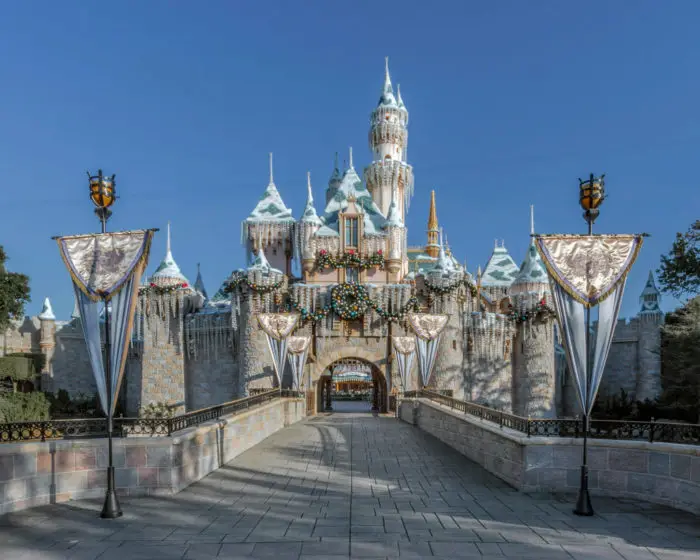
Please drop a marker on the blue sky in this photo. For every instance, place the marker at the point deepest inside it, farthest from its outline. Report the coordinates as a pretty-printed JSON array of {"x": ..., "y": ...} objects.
[{"x": 510, "y": 103}]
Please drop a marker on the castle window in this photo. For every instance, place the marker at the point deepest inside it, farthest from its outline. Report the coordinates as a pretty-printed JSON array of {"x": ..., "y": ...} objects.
[
  {"x": 454, "y": 345},
  {"x": 388, "y": 156},
  {"x": 351, "y": 232},
  {"x": 352, "y": 275}
]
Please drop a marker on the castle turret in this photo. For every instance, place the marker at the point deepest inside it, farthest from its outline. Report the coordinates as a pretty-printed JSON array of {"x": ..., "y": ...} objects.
[
  {"x": 308, "y": 225},
  {"x": 534, "y": 371},
  {"x": 47, "y": 342},
  {"x": 270, "y": 225},
  {"x": 433, "y": 247},
  {"x": 334, "y": 181},
  {"x": 650, "y": 300},
  {"x": 396, "y": 232},
  {"x": 499, "y": 274},
  {"x": 199, "y": 284},
  {"x": 649, "y": 320},
  {"x": 168, "y": 273},
  {"x": 388, "y": 140}
]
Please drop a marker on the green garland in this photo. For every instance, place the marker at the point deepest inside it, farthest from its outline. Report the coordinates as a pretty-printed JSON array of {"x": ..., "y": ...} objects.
[
  {"x": 450, "y": 288},
  {"x": 349, "y": 301},
  {"x": 349, "y": 259},
  {"x": 258, "y": 288},
  {"x": 541, "y": 309},
  {"x": 346, "y": 307}
]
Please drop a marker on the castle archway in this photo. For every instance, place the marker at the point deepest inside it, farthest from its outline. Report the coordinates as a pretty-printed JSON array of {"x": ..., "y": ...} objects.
[{"x": 352, "y": 384}]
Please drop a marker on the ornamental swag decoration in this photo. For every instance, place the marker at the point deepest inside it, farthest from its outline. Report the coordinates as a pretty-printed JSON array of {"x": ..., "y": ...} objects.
[
  {"x": 277, "y": 327},
  {"x": 587, "y": 271},
  {"x": 405, "y": 352},
  {"x": 107, "y": 267},
  {"x": 427, "y": 328},
  {"x": 298, "y": 349}
]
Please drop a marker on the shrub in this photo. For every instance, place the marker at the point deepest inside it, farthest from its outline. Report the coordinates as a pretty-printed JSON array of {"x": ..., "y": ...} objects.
[
  {"x": 156, "y": 410},
  {"x": 23, "y": 407}
]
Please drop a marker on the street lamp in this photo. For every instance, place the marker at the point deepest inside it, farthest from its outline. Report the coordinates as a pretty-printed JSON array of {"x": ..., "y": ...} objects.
[
  {"x": 592, "y": 194},
  {"x": 103, "y": 195}
]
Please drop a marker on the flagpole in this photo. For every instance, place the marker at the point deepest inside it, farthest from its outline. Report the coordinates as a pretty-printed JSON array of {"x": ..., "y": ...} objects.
[{"x": 592, "y": 195}]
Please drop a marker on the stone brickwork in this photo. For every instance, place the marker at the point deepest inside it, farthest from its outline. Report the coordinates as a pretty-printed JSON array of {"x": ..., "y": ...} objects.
[
  {"x": 211, "y": 381},
  {"x": 33, "y": 474},
  {"x": 254, "y": 361},
  {"x": 662, "y": 473},
  {"x": 70, "y": 367},
  {"x": 22, "y": 336},
  {"x": 534, "y": 370},
  {"x": 449, "y": 362}
]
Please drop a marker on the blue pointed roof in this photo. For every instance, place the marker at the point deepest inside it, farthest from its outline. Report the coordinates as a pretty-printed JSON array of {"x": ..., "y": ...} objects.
[
  {"x": 532, "y": 271},
  {"x": 650, "y": 296},
  {"x": 351, "y": 185},
  {"x": 387, "y": 98},
  {"x": 393, "y": 218},
  {"x": 270, "y": 207},
  {"x": 309, "y": 216},
  {"x": 199, "y": 283},
  {"x": 168, "y": 272},
  {"x": 501, "y": 270}
]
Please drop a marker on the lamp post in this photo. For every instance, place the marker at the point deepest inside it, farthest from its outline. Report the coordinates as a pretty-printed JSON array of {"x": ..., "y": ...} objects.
[
  {"x": 592, "y": 194},
  {"x": 103, "y": 195}
]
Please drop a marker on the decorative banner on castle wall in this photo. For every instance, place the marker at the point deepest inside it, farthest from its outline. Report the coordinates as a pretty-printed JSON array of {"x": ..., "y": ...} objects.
[
  {"x": 585, "y": 271},
  {"x": 277, "y": 327},
  {"x": 298, "y": 350},
  {"x": 405, "y": 351},
  {"x": 427, "y": 328},
  {"x": 107, "y": 266}
]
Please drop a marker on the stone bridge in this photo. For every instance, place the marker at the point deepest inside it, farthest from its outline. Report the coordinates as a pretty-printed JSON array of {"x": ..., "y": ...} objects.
[{"x": 340, "y": 485}]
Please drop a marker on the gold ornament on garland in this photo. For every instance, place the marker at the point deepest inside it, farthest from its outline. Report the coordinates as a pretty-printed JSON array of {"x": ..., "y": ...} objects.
[
  {"x": 349, "y": 259},
  {"x": 240, "y": 280}
]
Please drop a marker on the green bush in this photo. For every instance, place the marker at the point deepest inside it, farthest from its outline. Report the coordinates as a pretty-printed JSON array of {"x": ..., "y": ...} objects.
[
  {"x": 80, "y": 406},
  {"x": 23, "y": 407},
  {"x": 156, "y": 410}
]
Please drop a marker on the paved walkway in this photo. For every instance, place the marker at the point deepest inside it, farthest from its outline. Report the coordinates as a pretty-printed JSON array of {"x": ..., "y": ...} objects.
[{"x": 351, "y": 485}]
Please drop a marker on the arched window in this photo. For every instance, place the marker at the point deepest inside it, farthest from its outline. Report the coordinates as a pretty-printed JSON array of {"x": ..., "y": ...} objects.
[{"x": 388, "y": 156}]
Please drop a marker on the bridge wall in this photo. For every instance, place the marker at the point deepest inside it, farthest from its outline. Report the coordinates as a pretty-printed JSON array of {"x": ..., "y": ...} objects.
[
  {"x": 662, "y": 473},
  {"x": 37, "y": 473}
]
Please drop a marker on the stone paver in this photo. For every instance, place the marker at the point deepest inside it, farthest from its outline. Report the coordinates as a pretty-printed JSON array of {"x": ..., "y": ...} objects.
[{"x": 351, "y": 485}]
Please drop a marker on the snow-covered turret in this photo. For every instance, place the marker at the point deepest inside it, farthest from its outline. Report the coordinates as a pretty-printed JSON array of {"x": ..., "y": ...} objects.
[
  {"x": 199, "y": 284},
  {"x": 271, "y": 224},
  {"x": 532, "y": 276},
  {"x": 396, "y": 232},
  {"x": 168, "y": 273},
  {"x": 388, "y": 140},
  {"x": 500, "y": 271},
  {"x": 308, "y": 225},
  {"x": 650, "y": 298},
  {"x": 334, "y": 181}
]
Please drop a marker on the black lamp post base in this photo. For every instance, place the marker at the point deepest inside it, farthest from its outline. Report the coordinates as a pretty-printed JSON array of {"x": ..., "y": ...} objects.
[
  {"x": 111, "y": 508},
  {"x": 583, "y": 504}
]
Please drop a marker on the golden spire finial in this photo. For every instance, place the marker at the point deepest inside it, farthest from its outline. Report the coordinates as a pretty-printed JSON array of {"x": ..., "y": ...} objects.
[{"x": 433, "y": 247}]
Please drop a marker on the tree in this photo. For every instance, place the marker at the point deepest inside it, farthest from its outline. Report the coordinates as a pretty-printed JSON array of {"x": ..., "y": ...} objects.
[
  {"x": 680, "y": 355},
  {"x": 679, "y": 274},
  {"x": 14, "y": 293}
]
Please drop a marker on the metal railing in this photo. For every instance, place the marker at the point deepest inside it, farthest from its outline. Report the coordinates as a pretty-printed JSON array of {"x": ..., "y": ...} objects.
[
  {"x": 125, "y": 427},
  {"x": 652, "y": 431}
]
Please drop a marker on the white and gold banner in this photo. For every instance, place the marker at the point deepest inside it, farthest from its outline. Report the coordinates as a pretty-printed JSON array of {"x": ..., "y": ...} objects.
[
  {"x": 277, "y": 328},
  {"x": 298, "y": 350},
  {"x": 587, "y": 271},
  {"x": 405, "y": 351},
  {"x": 107, "y": 267},
  {"x": 427, "y": 328}
]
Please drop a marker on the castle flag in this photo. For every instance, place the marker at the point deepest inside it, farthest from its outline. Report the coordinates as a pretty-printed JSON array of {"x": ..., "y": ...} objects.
[
  {"x": 106, "y": 267},
  {"x": 427, "y": 328},
  {"x": 587, "y": 271},
  {"x": 277, "y": 327}
]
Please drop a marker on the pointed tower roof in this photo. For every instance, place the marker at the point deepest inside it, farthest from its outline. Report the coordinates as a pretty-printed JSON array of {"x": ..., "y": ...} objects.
[
  {"x": 270, "y": 207},
  {"x": 47, "y": 312},
  {"x": 432, "y": 247},
  {"x": 501, "y": 269},
  {"x": 650, "y": 296},
  {"x": 399, "y": 99},
  {"x": 310, "y": 216},
  {"x": 260, "y": 262},
  {"x": 532, "y": 271},
  {"x": 393, "y": 218},
  {"x": 387, "y": 98},
  {"x": 351, "y": 187},
  {"x": 199, "y": 283},
  {"x": 168, "y": 272}
]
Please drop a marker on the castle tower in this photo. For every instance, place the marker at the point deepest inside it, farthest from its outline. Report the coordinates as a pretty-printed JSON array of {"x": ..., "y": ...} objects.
[
  {"x": 397, "y": 263},
  {"x": 308, "y": 225},
  {"x": 499, "y": 274},
  {"x": 334, "y": 181},
  {"x": 649, "y": 319},
  {"x": 47, "y": 343},
  {"x": 168, "y": 273},
  {"x": 534, "y": 366},
  {"x": 270, "y": 225},
  {"x": 433, "y": 247},
  {"x": 388, "y": 140},
  {"x": 199, "y": 284},
  {"x": 449, "y": 363}
]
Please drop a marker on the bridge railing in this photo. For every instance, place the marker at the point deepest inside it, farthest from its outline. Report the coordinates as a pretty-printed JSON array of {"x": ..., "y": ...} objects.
[
  {"x": 124, "y": 427},
  {"x": 652, "y": 431}
]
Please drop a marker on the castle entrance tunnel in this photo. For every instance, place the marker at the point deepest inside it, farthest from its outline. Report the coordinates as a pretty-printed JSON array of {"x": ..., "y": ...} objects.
[{"x": 351, "y": 385}]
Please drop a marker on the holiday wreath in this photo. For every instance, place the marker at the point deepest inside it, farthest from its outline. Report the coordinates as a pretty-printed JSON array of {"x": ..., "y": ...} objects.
[{"x": 349, "y": 301}]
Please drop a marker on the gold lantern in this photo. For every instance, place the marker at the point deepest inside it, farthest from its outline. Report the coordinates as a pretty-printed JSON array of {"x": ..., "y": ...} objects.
[
  {"x": 102, "y": 190},
  {"x": 591, "y": 196}
]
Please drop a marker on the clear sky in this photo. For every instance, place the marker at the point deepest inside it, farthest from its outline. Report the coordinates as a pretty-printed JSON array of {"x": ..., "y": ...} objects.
[{"x": 510, "y": 102}]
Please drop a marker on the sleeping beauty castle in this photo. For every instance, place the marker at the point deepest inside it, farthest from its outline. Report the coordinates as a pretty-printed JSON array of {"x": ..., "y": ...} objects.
[{"x": 345, "y": 266}]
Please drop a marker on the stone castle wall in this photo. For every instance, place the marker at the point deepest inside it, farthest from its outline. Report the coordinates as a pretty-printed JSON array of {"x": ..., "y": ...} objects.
[{"x": 534, "y": 370}]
